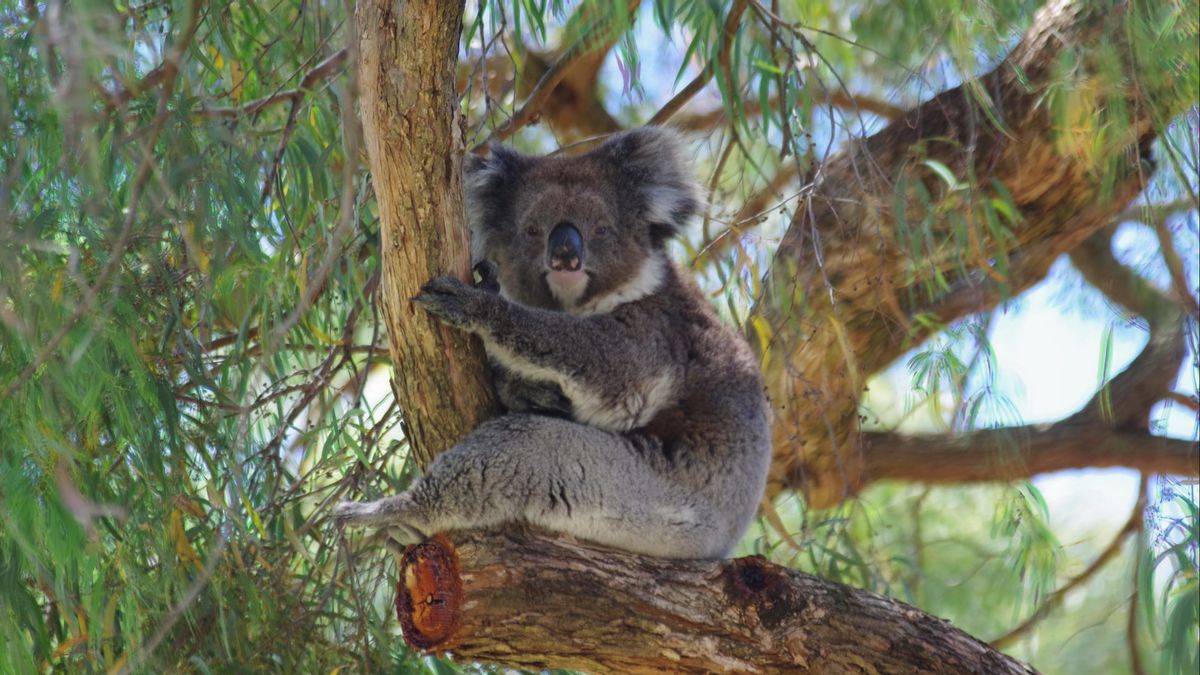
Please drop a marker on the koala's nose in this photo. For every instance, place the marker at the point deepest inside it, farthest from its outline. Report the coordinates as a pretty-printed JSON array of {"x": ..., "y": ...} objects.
[{"x": 564, "y": 251}]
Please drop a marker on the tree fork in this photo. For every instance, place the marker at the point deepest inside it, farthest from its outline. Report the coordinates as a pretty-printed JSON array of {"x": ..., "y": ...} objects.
[{"x": 531, "y": 601}]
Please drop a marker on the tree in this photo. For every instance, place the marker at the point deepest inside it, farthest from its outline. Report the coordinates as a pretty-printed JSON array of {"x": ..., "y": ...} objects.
[{"x": 198, "y": 270}]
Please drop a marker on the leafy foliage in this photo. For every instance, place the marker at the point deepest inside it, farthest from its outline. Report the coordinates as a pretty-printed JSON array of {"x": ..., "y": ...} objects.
[{"x": 192, "y": 367}]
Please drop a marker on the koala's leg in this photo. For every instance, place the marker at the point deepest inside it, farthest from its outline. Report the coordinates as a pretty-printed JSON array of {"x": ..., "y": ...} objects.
[{"x": 560, "y": 475}]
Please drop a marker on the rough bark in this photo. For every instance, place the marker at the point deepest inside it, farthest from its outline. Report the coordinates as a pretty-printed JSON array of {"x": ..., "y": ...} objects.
[
  {"x": 535, "y": 602},
  {"x": 412, "y": 130},
  {"x": 846, "y": 297}
]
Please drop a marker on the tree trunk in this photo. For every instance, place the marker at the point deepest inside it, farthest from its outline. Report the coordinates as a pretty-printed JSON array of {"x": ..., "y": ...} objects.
[
  {"x": 412, "y": 130},
  {"x": 535, "y": 602}
]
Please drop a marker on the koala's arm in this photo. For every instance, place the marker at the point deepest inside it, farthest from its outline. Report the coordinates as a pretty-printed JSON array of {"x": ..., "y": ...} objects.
[
  {"x": 616, "y": 377},
  {"x": 518, "y": 394}
]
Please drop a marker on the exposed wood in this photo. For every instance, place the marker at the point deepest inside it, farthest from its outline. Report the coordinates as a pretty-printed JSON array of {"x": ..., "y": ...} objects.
[
  {"x": 846, "y": 296},
  {"x": 412, "y": 130},
  {"x": 534, "y": 602}
]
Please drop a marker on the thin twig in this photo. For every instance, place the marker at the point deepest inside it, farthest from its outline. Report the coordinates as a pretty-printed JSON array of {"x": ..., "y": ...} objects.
[
  {"x": 727, "y": 34},
  {"x": 1183, "y": 400},
  {"x": 588, "y": 42},
  {"x": 1135, "y": 658},
  {"x": 321, "y": 71},
  {"x": 91, "y": 294},
  {"x": 346, "y": 220},
  {"x": 1132, "y": 525},
  {"x": 172, "y": 617}
]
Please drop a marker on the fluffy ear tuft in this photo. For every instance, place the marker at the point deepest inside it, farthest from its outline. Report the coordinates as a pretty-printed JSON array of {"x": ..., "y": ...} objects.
[
  {"x": 651, "y": 163},
  {"x": 488, "y": 183}
]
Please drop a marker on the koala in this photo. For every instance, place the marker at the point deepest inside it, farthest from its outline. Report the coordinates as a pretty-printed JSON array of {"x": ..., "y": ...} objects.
[{"x": 638, "y": 419}]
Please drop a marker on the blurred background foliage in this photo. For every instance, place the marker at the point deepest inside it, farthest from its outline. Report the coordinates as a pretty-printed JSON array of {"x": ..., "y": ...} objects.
[{"x": 193, "y": 367}]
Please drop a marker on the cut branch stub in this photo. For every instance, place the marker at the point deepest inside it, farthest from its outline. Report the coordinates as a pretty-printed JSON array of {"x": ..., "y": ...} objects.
[
  {"x": 429, "y": 593},
  {"x": 531, "y": 601}
]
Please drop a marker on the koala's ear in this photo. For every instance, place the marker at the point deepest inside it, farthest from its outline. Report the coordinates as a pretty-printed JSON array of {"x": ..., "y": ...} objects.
[
  {"x": 489, "y": 184},
  {"x": 650, "y": 162}
]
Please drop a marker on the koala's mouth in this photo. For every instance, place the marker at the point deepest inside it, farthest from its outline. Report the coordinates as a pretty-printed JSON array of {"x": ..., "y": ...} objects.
[
  {"x": 567, "y": 286},
  {"x": 566, "y": 279}
]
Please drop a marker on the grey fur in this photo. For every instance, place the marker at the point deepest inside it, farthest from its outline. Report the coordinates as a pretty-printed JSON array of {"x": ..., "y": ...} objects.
[{"x": 667, "y": 444}]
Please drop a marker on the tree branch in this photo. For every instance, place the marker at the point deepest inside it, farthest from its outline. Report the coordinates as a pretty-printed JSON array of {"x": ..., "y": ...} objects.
[
  {"x": 1022, "y": 452},
  {"x": 728, "y": 33},
  {"x": 1126, "y": 401},
  {"x": 846, "y": 295},
  {"x": 1179, "y": 280},
  {"x": 321, "y": 71},
  {"x": 512, "y": 598},
  {"x": 145, "y": 168},
  {"x": 580, "y": 54}
]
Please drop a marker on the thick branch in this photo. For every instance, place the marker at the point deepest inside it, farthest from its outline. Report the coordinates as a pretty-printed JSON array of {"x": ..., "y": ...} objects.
[
  {"x": 1126, "y": 401},
  {"x": 846, "y": 293},
  {"x": 410, "y": 118},
  {"x": 514, "y": 599},
  {"x": 1022, "y": 452}
]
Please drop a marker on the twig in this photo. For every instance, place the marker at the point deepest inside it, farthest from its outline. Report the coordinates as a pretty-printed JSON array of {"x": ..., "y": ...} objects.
[
  {"x": 727, "y": 34},
  {"x": 319, "y": 72},
  {"x": 346, "y": 220},
  {"x": 752, "y": 213},
  {"x": 1132, "y": 525},
  {"x": 53, "y": 67},
  {"x": 588, "y": 42},
  {"x": 859, "y": 103},
  {"x": 1135, "y": 658},
  {"x": 1183, "y": 400},
  {"x": 170, "y": 68},
  {"x": 172, "y": 617}
]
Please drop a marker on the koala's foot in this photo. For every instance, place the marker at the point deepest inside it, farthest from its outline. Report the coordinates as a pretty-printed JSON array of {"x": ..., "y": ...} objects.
[{"x": 397, "y": 515}]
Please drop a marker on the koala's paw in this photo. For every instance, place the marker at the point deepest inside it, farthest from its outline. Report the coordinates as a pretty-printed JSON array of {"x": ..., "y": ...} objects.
[
  {"x": 452, "y": 301},
  {"x": 396, "y": 514}
]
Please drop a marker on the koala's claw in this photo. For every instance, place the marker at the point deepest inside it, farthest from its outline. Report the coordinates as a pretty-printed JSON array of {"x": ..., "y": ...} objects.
[
  {"x": 449, "y": 299},
  {"x": 489, "y": 276}
]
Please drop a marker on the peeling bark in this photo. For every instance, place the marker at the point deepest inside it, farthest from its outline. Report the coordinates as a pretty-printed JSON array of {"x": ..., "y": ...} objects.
[
  {"x": 535, "y": 602},
  {"x": 412, "y": 130}
]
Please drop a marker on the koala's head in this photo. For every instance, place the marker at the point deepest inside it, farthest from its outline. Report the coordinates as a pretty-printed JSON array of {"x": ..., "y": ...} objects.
[{"x": 576, "y": 233}]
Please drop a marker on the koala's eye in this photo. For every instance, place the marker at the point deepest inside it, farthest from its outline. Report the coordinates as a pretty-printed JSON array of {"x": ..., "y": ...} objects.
[
  {"x": 532, "y": 231},
  {"x": 601, "y": 231}
]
